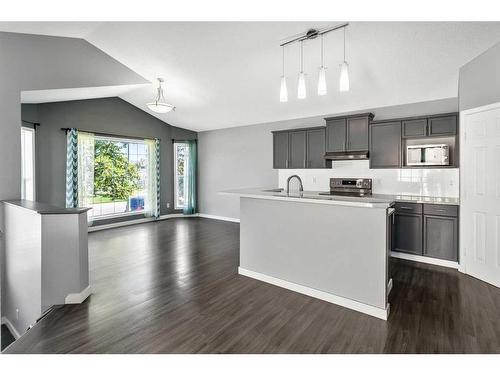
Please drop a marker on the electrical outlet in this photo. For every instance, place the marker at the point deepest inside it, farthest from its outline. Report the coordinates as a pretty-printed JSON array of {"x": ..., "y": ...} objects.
[
  {"x": 17, "y": 314},
  {"x": 314, "y": 180},
  {"x": 168, "y": 204}
]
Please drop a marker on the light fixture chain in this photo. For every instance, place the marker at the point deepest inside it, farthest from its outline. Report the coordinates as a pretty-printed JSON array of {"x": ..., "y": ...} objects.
[{"x": 344, "y": 43}]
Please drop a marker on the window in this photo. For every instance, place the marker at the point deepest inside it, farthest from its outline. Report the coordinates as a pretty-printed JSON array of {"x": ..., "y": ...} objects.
[
  {"x": 180, "y": 151},
  {"x": 28, "y": 163},
  {"x": 120, "y": 176}
]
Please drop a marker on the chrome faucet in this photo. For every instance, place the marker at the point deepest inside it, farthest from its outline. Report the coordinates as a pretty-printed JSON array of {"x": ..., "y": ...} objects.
[{"x": 301, "y": 187}]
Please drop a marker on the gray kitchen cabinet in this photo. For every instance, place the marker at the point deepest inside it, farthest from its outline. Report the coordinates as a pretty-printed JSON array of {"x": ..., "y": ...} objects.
[
  {"x": 408, "y": 233},
  {"x": 300, "y": 148},
  {"x": 297, "y": 149},
  {"x": 416, "y": 128},
  {"x": 280, "y": 150},
  {"x": 442, "y": 126},
  {"x": 336, "y": 135},
  {"x": 357, "y": 133},
  {"x": 385, "y": 145},
  {"x": 441, "y": 237},
  {"x": 316, "y": 148},
  {"x": 347, "y": 133}
]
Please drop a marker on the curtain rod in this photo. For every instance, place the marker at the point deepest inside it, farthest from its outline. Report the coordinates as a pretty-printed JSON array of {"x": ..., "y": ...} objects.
[
  {"x": 35, "y": 124},
  {"x": 112, "y": 135}
]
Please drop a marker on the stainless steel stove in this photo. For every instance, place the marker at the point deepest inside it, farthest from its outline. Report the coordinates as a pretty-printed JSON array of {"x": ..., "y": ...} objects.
[{"x": 354, "y": 187}]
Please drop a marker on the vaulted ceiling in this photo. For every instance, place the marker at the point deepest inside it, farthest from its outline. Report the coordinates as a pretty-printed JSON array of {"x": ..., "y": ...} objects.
[{"x": 227, "y": 74}]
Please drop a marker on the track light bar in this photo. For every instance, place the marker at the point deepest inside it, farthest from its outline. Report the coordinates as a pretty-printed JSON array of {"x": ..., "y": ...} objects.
[{"x": 313, "y": 34}]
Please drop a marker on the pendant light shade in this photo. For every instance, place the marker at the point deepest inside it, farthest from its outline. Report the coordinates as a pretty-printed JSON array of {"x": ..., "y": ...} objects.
[
  {"x": 160, "y": 105},
  {"x": 301, "y": 85},
  {"x": 344, "y": 77},
  {"x": 283, "y": 88},
  {"x": 344, "y": 73},
  {"x": 322, "y": 90}
]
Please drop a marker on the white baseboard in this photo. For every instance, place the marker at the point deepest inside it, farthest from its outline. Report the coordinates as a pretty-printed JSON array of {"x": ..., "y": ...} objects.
[
  {"x": 428, "y": 260},
  {"x": 345, "y": 302},
  {"x": 11, "y": 327},
  {"x": 215, "y": 217},
  {"x": 136, "y": 221},
  {"x": 78, "y": 297}
]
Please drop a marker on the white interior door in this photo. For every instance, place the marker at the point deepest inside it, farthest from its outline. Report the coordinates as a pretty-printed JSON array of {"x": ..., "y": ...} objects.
[{"x": 480, "y": 193}]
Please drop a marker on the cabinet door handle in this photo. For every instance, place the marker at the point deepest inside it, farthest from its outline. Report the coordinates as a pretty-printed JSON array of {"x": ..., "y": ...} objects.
[{"x": 405, "y": 208}]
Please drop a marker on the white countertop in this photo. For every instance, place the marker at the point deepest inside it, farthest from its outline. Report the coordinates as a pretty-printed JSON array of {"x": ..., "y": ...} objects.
[
  {"x": 373, "y": 201},
  {"x": 312, "y": 197}
]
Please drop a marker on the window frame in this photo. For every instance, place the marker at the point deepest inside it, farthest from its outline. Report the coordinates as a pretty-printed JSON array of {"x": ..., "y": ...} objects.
[
  {"x": 175, "y": 189},
  {"x": 118, "y": 139},
  {"x": 33, "y": 161}
]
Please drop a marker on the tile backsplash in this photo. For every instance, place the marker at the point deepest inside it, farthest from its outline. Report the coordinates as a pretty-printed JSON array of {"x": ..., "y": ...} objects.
[{"x": 442, "y": 182}]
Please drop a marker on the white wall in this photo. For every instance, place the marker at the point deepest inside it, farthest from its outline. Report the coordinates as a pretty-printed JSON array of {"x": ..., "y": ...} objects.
[
  {"x": 426, "y": 182},
  {"x": 242, "y": 157}
]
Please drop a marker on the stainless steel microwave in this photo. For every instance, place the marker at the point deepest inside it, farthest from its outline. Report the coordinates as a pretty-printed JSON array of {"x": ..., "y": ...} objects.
[{"x": 437, "y": 154}]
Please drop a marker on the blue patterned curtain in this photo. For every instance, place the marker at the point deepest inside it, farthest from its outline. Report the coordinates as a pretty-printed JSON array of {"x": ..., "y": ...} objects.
[
  {"x": 156, "y": 212},
  {"x": 72, "y": 168},
  {"x": 190, "y": 171}
]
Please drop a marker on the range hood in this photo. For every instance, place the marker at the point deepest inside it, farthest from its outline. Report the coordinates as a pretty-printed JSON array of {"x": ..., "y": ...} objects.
[{"x": 347, "y": 155}]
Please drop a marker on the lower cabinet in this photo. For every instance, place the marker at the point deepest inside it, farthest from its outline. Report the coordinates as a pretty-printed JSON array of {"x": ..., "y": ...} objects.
[
  {"x": 441, "y": 237},
  {"x": 408, "y": 233},
  {"x": 426, "y": 229}
]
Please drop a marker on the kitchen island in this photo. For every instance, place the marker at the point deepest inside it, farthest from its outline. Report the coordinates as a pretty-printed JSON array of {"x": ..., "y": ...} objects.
[{"x": 333, "y": 248}]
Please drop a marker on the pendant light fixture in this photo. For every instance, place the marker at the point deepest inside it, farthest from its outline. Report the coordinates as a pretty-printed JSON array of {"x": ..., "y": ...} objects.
[
  {"x": 322, "y": 90},
  {"x": 344, "y": 73},
  {"x": 160, "y": 105},
  {"x": 312, "y": 34},
  {"x": 301, "y": 86},
  {"x": 283, "y": 88}
]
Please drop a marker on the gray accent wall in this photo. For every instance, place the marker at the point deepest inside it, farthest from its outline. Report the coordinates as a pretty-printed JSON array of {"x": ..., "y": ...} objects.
[
  {"x": 108, "y": 115},
  {"x": 242, "y": 157},
  {"x": 479, "y": 80}
]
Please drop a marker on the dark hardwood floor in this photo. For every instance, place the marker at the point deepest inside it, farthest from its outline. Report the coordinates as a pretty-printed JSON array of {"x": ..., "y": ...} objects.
[{"x": 173, "y": 287}]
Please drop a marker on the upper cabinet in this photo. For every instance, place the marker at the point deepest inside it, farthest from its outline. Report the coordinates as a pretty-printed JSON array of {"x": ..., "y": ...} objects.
[
  {"x": 316, "y": 149},
  {"x": 347, "y": 133},
  {"x": 297, "y": 149},
  {"x": 415, "y": 128},
  {"x": 435, "y": 126},
  {"x": 336, "y": 135},
  {"x": 442, "y": 126},
  {"x": 385, "y": 144},
  {"x": 280, "y": 150},
  {"x": 300, "y": 148}
]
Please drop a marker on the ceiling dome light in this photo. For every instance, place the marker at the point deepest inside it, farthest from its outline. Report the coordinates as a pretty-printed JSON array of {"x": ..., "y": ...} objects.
[{"x": 160, "y": 105}]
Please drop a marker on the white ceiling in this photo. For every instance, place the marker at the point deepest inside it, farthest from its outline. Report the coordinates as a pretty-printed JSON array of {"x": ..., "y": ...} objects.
[{"x": 227, "y": 74}]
